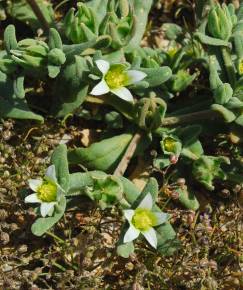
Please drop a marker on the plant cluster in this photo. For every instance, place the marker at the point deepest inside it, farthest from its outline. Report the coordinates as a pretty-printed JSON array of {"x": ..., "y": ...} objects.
[{"x": 93, "y": 57}]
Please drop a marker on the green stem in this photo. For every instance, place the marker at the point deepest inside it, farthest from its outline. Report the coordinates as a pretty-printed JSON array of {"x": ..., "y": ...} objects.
[
  {"x": 229, "y": 67},
  {"x": 169, "y": 121},
  {"x": 55, "y": 237},
  {"x": 189, "y": 118}
]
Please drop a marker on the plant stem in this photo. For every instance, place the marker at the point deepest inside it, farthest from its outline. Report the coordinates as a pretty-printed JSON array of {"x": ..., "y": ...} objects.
[
  {"x": 55, "y": 237},
  {"x": 229, "y": 67},
  {"x": 188, "y": 118},
  {"x": 122, "y": 166},
  {"x": 36, "y": 9},
  {"x": 176, "y": 120}
]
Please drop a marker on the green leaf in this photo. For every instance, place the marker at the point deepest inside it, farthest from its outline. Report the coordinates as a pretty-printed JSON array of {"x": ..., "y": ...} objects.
[
  {"x": 167, "y": 241},
  {"x": 187, "y": 198},
  {"x": 189, "y": 134},
  {"x": 193, "y": 150},
  {"x": 122, "y": 106},
  {"x": 234, "y": 103},
  {"x": 157, "y": 76},
  {"x": 10, "y": 40},
  {"x": 99, "y": 6},
  {"x": 225, "y": 113},
  {"x": 41, "y": 225},
  {"x": 141, "y": 11},
  {"x": 53, "y": 71},
  {"x": 79, "y": 181},
  {"x": 161, "y": 162},
  {"x": 125, "y": 250},
  {"x": 22, "y": 11},
  {"x": 181, "y": 80},
  {"x": 55, "y": 40},
  {"x": 223, "y": 94},
  {"x": 70, "y": 90},
  {"x": 172, "y": 30},
  {"x": 77, "y": 49},
  {"x": 107, "y": 190},
  {"x": 207, "y": 168},
  {"x": 239, "y": 120},
  {"x": 59, "y": 159},
  {"x": 102, "y": 155},
  {"x": 10, "y": 105},
  {"x": 113, "y": 120},
  {"x": 211, "y": 40},
  {"x": 130, "y": 191}
]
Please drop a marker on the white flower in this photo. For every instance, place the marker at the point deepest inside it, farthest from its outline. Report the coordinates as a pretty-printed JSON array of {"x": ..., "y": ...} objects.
[
  {"x": 115, "y": 79},
  {"x": 47, "y": 192},
  {"x": 143, "y": 220}
]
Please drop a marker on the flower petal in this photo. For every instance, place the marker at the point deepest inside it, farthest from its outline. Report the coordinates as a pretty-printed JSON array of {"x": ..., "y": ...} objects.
[
  {"x": 131, "y": 234},
  {"x": 128, "y": 213},
  {"x": 135, "y": 76},
  {"x": 51, "y": 173},
  {"x": 46, "y": 207},
  {"x": 100, "y": 89},
  {"x": 32, "y": 198},
  {"x": 103, "y": 65},
  {"x": 123, "y": 93},
  {"x": 147, "y": 202},
  {"x": 150, "y": 236},
  {"x": 34, "y": 184},
  {"x": 161, "y": 217}
]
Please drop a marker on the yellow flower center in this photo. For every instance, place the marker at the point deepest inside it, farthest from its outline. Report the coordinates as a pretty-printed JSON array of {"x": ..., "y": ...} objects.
[
  {"x": 47, "y": 192},
  {"x": 241, "y": 67},
  {"x": 116, "y": 77},
  {"x": 143, "y": 219},
  {"x": 169, "y": 144},
  {"x": 172, "y": 51}
]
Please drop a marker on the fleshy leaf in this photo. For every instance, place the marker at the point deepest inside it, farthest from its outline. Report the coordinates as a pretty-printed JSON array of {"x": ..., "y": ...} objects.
[
  {"x": 102, "y": 155},
  {"x": 41, "y": 225},
  {"x": 59, "y": 159}
]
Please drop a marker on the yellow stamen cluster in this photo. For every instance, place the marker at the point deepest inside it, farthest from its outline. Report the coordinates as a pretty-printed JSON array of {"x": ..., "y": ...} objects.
[
  {"x": 116, "y": 77},
  {"x": 240, "y": 67},
  {"x": 169, "y": 144},
  {"x": 47, "y": 192},
  {"x": 172, "y": 51},
  {"x": 143, "y": 219}
]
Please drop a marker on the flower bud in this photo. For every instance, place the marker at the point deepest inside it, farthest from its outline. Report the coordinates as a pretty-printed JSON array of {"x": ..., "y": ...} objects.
[
  {"x": 80, "y": 26},
  {"x": 150, "y": 112},
  {"x": 119, "y": 23},
  {"x": 219, "y": 22},
  {"x": 171, "y": 145},
  {"x": 173, "y": 159},
  {"x": 181, "y": 181},
  {"x": 30, "y": 54}
]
